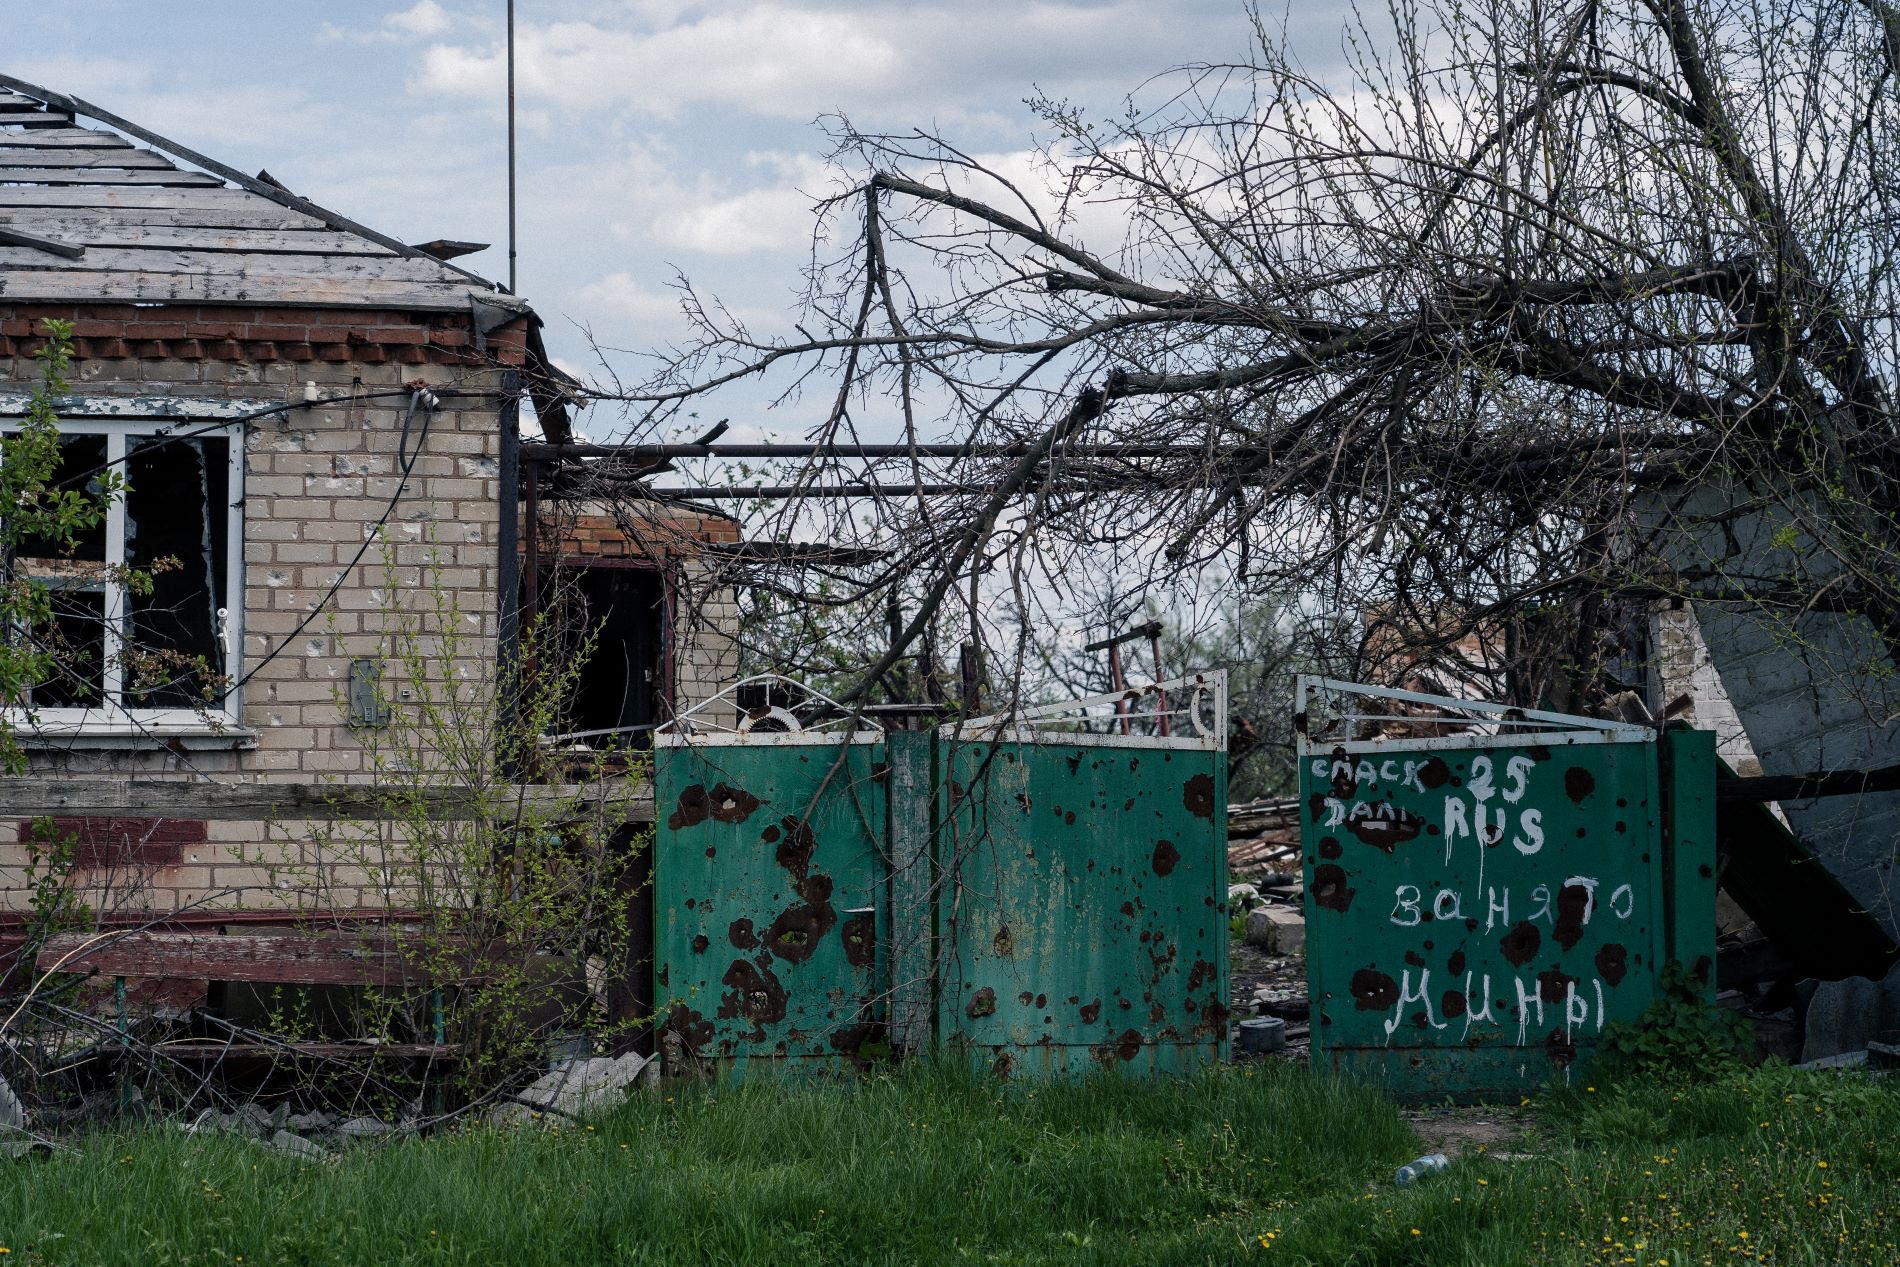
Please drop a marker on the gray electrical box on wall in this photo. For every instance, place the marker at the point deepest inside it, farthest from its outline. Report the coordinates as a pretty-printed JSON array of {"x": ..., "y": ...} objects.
[{"x": 368, "y": 706}]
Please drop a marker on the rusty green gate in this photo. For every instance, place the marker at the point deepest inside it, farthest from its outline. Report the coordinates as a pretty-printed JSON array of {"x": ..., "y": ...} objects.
[
  {"x": 1488, "y": 887},
  {"x": 1083, "y": 899},
  {"x": 768, "y": 877},
  {"x": 1043, "y": 891}
]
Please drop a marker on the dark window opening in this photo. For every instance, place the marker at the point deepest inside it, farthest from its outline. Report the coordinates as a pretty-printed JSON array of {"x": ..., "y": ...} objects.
[
  {"x": 621, "y": 683},
  {"x": 175, "y": 531}
]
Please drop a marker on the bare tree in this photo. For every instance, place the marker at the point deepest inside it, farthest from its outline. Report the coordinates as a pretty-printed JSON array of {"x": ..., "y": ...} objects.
[{"x": 1491, "y": 332}]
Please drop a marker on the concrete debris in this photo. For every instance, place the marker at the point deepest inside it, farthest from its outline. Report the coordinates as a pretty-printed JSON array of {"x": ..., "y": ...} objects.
[
  {"x": 311, "y": 1123},
  {"x": 1841, "y": 1060},
  {"x": 577, "y": 1088},
  {"x": 1288, "y": 1002},
  {"x": 12, "y": 1112},
  {"x": 1277, "y": 930},
  {"x": 298, "y": 1146},
  {"x": 1242, "y": 898},
  {"x": 364, "y": 1128},
  {"x": 1845, "y": 1016}
]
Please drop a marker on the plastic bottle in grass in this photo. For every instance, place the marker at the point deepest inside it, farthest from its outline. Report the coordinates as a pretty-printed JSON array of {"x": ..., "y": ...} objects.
[{"x": 1429, "y": 1164}]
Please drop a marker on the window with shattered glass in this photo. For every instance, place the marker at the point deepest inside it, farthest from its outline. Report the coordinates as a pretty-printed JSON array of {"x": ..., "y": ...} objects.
[{"x": 143, "y": 603}]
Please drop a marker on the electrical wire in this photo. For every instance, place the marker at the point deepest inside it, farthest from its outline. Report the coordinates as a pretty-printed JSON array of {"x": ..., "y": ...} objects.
[{"x": 429, "y": 402}]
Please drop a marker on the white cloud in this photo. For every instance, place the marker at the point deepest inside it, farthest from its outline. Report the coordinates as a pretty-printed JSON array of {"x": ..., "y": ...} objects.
[
  {"x": 423, "y": 20},
  {"x": 771, "y": 59}
]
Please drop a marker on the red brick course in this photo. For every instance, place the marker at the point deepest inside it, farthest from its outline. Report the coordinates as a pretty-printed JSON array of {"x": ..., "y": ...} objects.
[{"x": 189, "y": 332}]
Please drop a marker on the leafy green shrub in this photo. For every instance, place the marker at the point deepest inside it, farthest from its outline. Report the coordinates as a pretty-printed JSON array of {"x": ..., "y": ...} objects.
[{"x": 1680, "y": 1032}]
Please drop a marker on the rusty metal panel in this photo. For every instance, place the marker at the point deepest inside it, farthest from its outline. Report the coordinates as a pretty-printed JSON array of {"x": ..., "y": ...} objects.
[
  {"x": 768, "y": 891},
  {"x": 1082, "y": 904},
  {"x": 1485, "y": 887}
]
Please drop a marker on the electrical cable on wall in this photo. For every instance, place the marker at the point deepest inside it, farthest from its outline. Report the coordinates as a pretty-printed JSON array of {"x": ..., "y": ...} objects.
[{"x": 428, "y": 402}]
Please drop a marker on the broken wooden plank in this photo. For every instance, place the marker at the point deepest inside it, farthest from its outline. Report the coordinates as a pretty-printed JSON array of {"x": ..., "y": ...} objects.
[
  {"x": 261, "y": 216},
  {"x": 210, "y": 1050},
  {"x": 194, "y": 197},
  {"x": 68, "y": 797},
  {"x": 107, "y": 176},
  {"x": 89, "y": 158},
  {"x": 64, "y": 250},
  {"x": 20, "y": 116},
  {"x": 377, "y": 958},
  {"x": 62, "y": 138},
  {"x": 279, "y": 239},
  {"x": 17, "y": 261}
]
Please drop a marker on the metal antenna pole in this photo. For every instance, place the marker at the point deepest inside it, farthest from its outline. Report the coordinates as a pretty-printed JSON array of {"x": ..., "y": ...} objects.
[{"x": 511, "y": 148}]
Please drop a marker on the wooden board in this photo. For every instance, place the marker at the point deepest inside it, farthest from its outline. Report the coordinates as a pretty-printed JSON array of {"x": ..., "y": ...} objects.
[
  {"x": 80, "y": 286},
  {"x": 261, "y": 215},
  {"x": 82, "y": 157},
  {"x": 367, "y": 958},
  {"x": 28, "y": 797},
  {"x": 388, "y": 266},
  {"x": 21, "y": 117},
  {"x": 197, "y": 197},
  {"x": 108, "y": 176},
  {"x": 62, "y": 138},
  {"x": 208, "y": 1051},
  {"x": 294, "y": 240}
]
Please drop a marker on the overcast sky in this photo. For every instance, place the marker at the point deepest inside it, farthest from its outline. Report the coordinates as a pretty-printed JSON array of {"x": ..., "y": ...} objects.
[{"x": 655, "y": 136}]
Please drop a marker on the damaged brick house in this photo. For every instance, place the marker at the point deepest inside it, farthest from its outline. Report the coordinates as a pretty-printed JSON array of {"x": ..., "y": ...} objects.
[{"x": 281, "y": 385}]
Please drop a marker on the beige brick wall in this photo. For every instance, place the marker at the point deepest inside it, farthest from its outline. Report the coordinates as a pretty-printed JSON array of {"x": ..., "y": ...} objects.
[{"x": 315, "y": 485}]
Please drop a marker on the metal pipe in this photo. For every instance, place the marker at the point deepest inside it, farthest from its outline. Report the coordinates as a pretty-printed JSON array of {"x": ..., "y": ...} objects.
[
  {"x": 511, "y": 148},
  {"x": 801, "y": 449},
  {"x": 1161, "y": 696},
  {"x": 823, "y": 490},
  {"x": 1121, "y": 683}
]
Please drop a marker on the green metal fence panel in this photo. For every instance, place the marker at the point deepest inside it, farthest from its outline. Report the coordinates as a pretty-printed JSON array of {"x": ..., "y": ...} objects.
[
  {"x": 769, "y": 892},
  {"x": 1688, "y": 785},
  {"x": 912, "y": 945},
  {"x": 1082, "y": 903},
  {"x": 1485, "y": 888}
]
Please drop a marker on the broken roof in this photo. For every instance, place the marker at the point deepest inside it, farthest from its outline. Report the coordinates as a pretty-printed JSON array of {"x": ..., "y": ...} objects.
[{"x": 88, "y": 216}]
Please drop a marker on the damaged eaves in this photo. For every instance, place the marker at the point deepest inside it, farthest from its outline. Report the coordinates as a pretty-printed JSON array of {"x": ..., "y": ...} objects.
[{"x": 89, "y": 217}]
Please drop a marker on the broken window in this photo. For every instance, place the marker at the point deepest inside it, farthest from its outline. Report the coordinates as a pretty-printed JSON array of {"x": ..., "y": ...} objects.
[
  {"x": 156, "y": 652},
  {"x": 620, "y": 689}
]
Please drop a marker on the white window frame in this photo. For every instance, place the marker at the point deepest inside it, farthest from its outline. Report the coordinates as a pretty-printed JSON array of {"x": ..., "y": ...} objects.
[{"x": 122, "y": 421}]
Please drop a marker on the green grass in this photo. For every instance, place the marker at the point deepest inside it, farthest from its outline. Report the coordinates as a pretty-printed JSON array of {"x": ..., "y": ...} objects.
[{"x": 1262, "y": 1166}]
